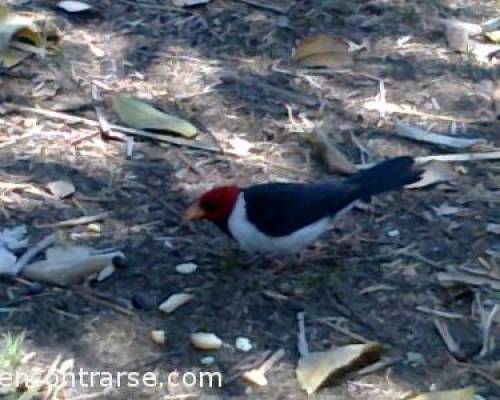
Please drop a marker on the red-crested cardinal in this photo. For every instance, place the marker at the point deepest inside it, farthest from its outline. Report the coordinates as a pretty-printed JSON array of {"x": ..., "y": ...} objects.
[{"x": 286, "y": 217}]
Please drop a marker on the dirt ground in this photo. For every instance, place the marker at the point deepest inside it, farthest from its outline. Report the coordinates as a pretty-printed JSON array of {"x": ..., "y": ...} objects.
[{"x": 227, "y": 67}]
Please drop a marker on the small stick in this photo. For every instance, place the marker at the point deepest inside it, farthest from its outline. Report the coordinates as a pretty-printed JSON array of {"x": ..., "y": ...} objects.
[
  {"x": 345, "y": 331},
  {"x": 257, "y": 375},
  {"x": 302, "y": 345},
  {"x": 75, "y": 221},
  {"x": 439, "y": 313},
  {"x": 448, "y": 340},
  {"x": 487, "y": 331},
  {"x": 32, "y": 253}
]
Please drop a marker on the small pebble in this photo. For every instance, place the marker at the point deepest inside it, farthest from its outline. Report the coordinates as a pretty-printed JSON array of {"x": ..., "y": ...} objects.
[
  {"x": 393, "y": 233},
  {"x": 243, "y": 344},
  {"x": 187, "y": 268},
  {"x": 209, "y": 360}
]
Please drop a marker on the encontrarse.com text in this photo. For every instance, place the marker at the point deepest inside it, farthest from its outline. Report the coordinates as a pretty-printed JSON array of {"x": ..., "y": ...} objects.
[{"x": 103, "y": 379}]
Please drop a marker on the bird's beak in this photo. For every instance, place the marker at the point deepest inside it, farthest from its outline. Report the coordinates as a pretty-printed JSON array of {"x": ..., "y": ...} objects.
[{"x": 193, "y": 212}]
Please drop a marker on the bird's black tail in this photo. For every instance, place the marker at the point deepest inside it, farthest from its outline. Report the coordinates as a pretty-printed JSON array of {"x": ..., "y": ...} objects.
[{"x": 387, "y": 175}]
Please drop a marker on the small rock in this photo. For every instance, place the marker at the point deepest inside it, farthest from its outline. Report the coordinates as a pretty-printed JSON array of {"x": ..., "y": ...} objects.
[
  {"x": 187, "y": 268},
  {"x": 243, "y": 344},
  {"x": 158, "y": 336},
  {"x": 393, "y": 233},
  {"x": 209, "y": 360}
]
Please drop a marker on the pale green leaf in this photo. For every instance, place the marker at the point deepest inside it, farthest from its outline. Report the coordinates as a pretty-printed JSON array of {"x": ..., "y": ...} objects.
[{"x": 137, "y": 114}]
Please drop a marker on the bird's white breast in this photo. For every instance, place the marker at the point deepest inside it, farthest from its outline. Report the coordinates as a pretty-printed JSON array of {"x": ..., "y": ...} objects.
[{"x": 251, "y": 239}]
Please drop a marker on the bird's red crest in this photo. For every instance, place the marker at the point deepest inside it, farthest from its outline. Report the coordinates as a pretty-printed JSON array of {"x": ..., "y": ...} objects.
[{"x": 217, "y": 204}]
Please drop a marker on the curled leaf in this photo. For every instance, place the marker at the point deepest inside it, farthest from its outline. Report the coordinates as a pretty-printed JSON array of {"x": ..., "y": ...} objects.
[
  {"x": 323, "y": 51},
  {"x": 434, "y": 172},
  {"x": 137, "y": 114}
]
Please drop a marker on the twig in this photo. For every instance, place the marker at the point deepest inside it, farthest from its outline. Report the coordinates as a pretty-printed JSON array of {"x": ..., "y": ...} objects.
[
  {"x": 378, "y": 365},
  {"x": 264, "y": 6},
  {"x": 487, "y": 331},
  {"x": 439, "y": 313},
  {"x": 302, "y": 345},
  {"x": 345, "y": 331},
  {"x": 75, "y": 221},
  {"x": 31, "y": 253},
  {"x": 448, "y": 340},
  {"x": 90, "y": 122}
]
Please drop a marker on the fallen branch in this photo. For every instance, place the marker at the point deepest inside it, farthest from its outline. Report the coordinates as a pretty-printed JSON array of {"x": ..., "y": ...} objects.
[{"x": 71, "y": 119}]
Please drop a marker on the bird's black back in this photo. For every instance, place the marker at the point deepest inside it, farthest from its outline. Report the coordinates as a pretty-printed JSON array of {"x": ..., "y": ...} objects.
[{"x": 279, "y": 209}]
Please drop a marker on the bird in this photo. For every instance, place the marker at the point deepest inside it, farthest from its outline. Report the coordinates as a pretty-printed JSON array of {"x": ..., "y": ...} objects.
[{"x": 285, "y": 217}]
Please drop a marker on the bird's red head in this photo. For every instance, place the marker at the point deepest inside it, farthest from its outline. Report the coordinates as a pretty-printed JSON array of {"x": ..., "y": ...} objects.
[{"x": 215, "y": 205}]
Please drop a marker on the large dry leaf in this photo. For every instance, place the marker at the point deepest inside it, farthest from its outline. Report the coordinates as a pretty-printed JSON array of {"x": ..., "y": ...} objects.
[
  {"x": 13, "y": 24},
  {"x": 434, "y": 172},
  {"x": 68, "y": 264},
  {"x": 467, "y": 393},
  {"x": 323, "y": 51},
  {"x": 316, "y": 369},
  {"x": 137, "y": 114}
]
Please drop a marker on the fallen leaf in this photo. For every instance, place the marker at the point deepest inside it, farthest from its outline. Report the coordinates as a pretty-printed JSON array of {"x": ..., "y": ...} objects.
[
  {"x": 74, "y": 6},
  {"x": 174, "y": 302},
  {"x": 493, "y": 36},
  {"x": 206, "y": 341},
  {"x": 316, "y": 369},
  {"x": 434, "y": 172},
  {"x": 68, "y": 264},
  {"x": 323, "y": 50},
  {"x": 137, "y": 114},
  {"x": 61, "y": 188},
  {"x": 460, "y": 394},
  {"x": 14, "y": 24}
]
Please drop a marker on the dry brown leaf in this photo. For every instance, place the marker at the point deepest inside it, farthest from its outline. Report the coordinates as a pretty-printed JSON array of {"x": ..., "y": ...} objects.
[
  {"x": 434, "y": 172},
  {"x": 316, "y": 369},
  {"x": 323, "y": 50},
  {"x": 467, "y": 393}
]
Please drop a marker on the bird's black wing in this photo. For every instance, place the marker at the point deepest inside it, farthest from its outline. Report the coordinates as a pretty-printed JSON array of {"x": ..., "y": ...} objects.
[{"x": 279, "y": 209}]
